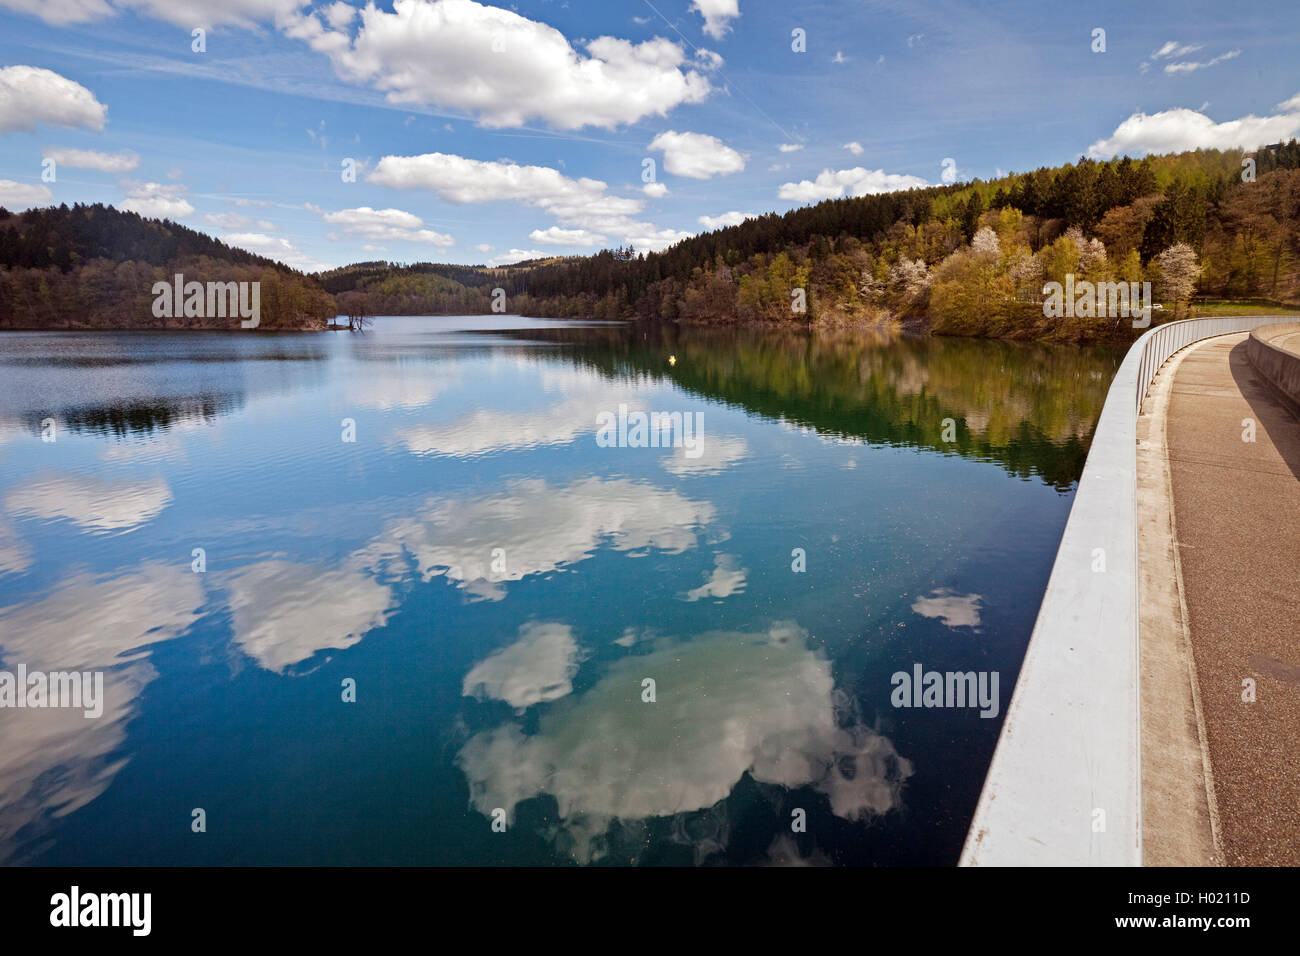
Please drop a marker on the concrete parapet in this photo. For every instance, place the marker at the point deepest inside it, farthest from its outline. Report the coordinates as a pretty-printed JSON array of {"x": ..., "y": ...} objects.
[
  {"x": 1274, "y": 350},
  {"x": 1065, "y": 784}
]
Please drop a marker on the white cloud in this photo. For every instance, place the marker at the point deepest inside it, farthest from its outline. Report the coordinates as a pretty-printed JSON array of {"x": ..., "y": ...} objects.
[
  {"x": 1171, "y": 131},
  {"x": 717, "y": 453},
  {"x": 655, "y": 190},
  {"x": 556, "y": 236},
  {"x": 55, "y": 760},
  {"x": 949, "y": 167},
  {"x": 485, "y": 431},
  {"x": 386, "y": 225},
  {"x": 284, "y": 612},
  {"x": 717, "y": 15},
  {"x": 30, "y": 95},
  {"x": 728, "y": 704},
  {"x": 16, "y": 196},
  {"x": 547, "y": 528},
  {"x": 502, "y": 67},
  {"x": 726, "y": 579},
  {"x": 248, "y": 14},
  {"x": 915, "y": 38},
  {"x": 657, "y": 240},
  {"x": 725, "y": 219},
  {"x": 696, "y": 155},
  {"x": 953, "y": 609},
  {"x": 485, "y": 247},
  {"x": 122, "y": 162},
  {"x": 15, "y": 554},
  {"x": 340, "y": 14},
  {"x": 516, "y": 255},
  {"x": 233, "y": 220},
  {"x": 839, "y": 57},
  {"x": 832, "y": 184},
  {"x": 273, "y": 247},
  {"x": 630, "y": 636},
  {"x": 789, "y": 147},
  {"x": 462, "y": 180},
  {"x": 575, "y": 203},
  {"x": 401, "y": 389},
  {"x": 60, "y": 12},
  {"x": 96, "y": 504},
  {"x": 1173, "y": 49},
  {"x": 539, "y": 667},
  {"x": 1189, "y": 66},
  {"x": 708, "y": 59},
  {"x": 854, "y": 147},
  {"x": 93, "y": 622},
  {"x": 156, "y": 201}
]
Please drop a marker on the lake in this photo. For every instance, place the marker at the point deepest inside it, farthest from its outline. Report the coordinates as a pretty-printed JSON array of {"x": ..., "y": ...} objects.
[{"x": 392, "y": 598}]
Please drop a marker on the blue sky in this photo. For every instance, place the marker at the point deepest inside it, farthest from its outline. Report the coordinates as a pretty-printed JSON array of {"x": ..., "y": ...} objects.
[{"x": 488, "y": 134}]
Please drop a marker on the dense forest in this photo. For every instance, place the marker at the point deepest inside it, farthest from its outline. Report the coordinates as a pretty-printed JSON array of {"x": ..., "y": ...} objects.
[
  {"x": 965, "y": 259},
  {"x": 425, "y": 288},
  {"x": 95, "y": 267}
]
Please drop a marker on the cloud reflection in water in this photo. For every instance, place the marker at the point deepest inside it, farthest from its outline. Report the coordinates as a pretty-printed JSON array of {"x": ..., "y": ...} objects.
[{"x": 727, "y": 704}]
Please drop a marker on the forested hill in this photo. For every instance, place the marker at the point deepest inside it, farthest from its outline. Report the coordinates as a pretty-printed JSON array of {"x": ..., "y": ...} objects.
[
  {"x": 427, "y": 288},
  {"x": 966, "y": 259},
  {"x": 94, "y": 266},
  {"x": 65, "y": 237},
  {"x": 969, "y": 259}
]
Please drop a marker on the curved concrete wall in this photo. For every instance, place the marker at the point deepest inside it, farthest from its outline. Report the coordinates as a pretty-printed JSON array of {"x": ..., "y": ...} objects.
[
  {"x": 1065, "y": 784},
  {"x": 1275, "y": 352}
]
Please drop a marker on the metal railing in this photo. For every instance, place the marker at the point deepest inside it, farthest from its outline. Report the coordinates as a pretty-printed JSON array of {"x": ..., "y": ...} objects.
[
  {"x": 1164, "y": 340},
  {"x": 1065, "y": 783}
]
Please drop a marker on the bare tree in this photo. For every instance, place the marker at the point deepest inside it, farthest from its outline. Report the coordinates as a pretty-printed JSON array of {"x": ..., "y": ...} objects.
[{"x": 353, "y": 305}]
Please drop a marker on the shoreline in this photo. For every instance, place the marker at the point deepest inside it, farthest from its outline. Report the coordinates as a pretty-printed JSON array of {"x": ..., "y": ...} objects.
[{"x": 908, "y": 327}]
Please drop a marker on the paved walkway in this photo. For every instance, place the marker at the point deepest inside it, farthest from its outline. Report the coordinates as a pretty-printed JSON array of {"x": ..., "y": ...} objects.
[
  {"x": 1236, "y": 515},
  {"x": 1179, "y": 815}
]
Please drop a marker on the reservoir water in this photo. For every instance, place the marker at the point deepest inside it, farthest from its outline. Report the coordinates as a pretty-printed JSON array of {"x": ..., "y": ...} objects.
[{"x": 384, "y": 598}]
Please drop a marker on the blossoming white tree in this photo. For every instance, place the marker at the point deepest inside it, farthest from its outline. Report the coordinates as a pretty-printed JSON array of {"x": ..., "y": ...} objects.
[
  {"x": 1177, "y": 269},
  {"x": 985, "y": 242},
  {"x": 910, "y": 275}
]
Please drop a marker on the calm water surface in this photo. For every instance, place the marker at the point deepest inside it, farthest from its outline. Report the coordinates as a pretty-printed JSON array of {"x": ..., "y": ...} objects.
[{"x": 499, "y": 587}]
